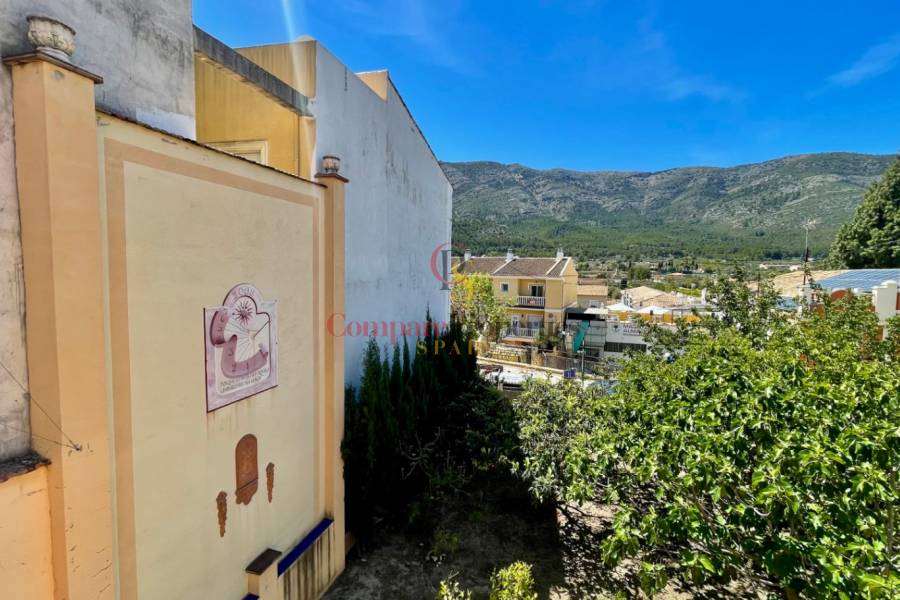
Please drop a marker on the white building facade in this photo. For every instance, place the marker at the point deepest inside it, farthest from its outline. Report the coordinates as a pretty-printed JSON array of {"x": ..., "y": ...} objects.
[{"x": 398, "y": 219}]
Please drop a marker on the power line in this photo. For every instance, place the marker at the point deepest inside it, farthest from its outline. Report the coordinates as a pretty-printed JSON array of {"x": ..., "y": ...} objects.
[
  {"x": 13, "y": 377},
  {"x": 28, "y": 397},
  {"x": 40, "y": 437}
]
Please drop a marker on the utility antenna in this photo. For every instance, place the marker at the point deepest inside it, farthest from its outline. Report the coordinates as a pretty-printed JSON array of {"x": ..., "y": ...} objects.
[{"x": 808, "y": 226}]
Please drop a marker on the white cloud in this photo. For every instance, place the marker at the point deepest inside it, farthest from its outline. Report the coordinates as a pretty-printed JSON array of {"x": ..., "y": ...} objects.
[
  {"x": 672, "y": 80},
  {"x": 428, "y": 26},
  {"x": 676, "y": 86},
  {"x": 875, "y": 61},
  {"x": 646, "y": 63}
]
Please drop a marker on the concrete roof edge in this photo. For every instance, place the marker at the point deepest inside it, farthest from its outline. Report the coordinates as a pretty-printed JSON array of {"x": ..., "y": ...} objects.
[
  {"x": 230, "y": 59},
  {"x": 419, "y": 129},
  {"x": 402, "y": 102}
]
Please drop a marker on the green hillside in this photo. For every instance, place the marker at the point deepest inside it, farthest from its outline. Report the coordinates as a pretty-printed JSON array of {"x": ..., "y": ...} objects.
[{"x": 748, "y": 211}]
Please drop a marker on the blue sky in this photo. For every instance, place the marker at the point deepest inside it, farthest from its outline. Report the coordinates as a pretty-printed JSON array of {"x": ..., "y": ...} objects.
[{"x": 613, "y": 84}]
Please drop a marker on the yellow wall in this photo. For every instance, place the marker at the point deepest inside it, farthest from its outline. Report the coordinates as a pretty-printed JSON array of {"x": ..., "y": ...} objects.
[
  {"x": 377, "y": 81},
  {"x": 558, "y": 294},
  {"x": 56, "y": 171},
  {"x": 184, "y": 225},
  {"x": 293, "y": 63},
  {"x": 230, "y": 110},
  {"x": 128, "y": 234},
  {"x": 584, "y": 300},
  {"x": 524, "y": 313},
  {"x": 511, "y": 294},
  {"x": 25, "y": 556},
  {"x": 570, "y": 285},
  {"x": 554, "y": 292}
]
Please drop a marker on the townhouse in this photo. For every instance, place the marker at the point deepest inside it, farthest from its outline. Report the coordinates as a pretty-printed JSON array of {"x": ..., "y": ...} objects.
[{"x": 538, "y": 290}]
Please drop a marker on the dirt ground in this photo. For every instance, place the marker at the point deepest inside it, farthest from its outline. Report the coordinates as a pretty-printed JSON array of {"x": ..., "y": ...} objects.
[{"x": 489, "y": 529}]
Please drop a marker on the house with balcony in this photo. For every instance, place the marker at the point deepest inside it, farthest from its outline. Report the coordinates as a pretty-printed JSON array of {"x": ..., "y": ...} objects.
[{"x": 538, "y": 289}]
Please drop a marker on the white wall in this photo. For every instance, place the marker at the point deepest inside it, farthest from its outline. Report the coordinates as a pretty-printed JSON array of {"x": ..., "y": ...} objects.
[
  {"x": 144, "y": 51},
  {"x": 398, "y": 202},
  {"x": 884, "y": 299}
]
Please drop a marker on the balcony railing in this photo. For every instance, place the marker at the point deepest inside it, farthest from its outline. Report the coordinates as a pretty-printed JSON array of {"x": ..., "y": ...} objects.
[
  {"x": 522, "y": 332},
  {"x": 532, "y": 301}
]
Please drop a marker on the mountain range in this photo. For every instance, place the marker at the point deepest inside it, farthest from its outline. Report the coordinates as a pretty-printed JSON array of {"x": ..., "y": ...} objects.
[{"x": 747, "y": 211}]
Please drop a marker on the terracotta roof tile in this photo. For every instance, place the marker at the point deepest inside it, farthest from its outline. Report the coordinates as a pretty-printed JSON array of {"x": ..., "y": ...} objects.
[
  {"x": 481, "y": 264},
  {"x": 518, "y": 267},
  {"x": 558, "y": 268}
]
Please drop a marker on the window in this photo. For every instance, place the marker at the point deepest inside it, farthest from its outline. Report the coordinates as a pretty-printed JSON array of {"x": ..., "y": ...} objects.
[
  {"x": 255, "y": 150},
  {"x": 623, "y": 347},
  {"x": 504, "y": 287},
  {"x": 537, "y": 290}
]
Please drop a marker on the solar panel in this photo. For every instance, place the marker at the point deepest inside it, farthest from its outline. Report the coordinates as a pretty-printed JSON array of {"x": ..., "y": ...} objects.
[{"x": 864, "y": 279}]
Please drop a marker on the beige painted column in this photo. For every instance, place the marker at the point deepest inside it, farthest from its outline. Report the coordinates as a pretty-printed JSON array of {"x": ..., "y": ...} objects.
[
  {"x": 333, "y": 241},
  {"x": 57, "y": 174}
]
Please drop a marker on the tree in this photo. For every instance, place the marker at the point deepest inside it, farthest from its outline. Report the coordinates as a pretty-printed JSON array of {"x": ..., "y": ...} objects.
[
  {"x": 639, "y": 273},
  {"x": 766, "y": 448},
  {"x": 417, "y": 430},
  {"x": 871, "y": 239},
  {"x": 476, "y": 305}
]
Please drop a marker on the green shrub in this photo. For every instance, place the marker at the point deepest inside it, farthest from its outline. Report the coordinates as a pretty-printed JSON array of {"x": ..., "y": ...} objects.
[
  {"x": 445, "y": 543},
  {"x": 514, "y": 582},
  {"x": 765, "y": 447},
  {"x": 450, "y": 590}
]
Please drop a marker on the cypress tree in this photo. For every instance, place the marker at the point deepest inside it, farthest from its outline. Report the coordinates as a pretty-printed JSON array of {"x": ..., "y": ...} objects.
[{"x": 406, "y": 365}]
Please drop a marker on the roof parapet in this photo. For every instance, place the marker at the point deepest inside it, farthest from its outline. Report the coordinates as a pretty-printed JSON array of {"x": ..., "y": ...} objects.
[{"x": 217, "y": 53}]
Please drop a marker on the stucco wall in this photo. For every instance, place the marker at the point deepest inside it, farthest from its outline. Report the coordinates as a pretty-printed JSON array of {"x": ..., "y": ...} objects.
[
  {"x": 398, "y": 202},
  {"x": 231, "y": 110},
  {"x": 143, "y": 49},
  {"x": 25, "y": 555},
  {"x": 14, "y": 437},
  {"x": 185, "y": 224}
]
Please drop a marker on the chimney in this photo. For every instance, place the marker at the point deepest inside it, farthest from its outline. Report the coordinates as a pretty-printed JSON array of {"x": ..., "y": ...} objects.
[
  {"x": 559, "y": 254},
  {"x": 467, "y": 255},
  {"x": 510, "y": 256}
]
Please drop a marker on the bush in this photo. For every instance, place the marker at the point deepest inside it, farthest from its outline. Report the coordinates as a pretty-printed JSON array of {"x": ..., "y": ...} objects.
[
  {"x": 417, "y": 428},
  {"x": 445, "y": 543},
  {"x": 450, "y": 590},
  {"x": 514, "y": 582},
  {"x": 765, "y": 448}
]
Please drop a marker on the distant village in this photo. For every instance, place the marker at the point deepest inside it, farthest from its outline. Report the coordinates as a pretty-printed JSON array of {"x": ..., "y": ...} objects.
[{"x": 561, "y": 320}]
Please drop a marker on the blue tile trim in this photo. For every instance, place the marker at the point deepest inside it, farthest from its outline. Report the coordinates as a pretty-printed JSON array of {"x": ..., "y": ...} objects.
[{"x": 291, "y": 557}]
